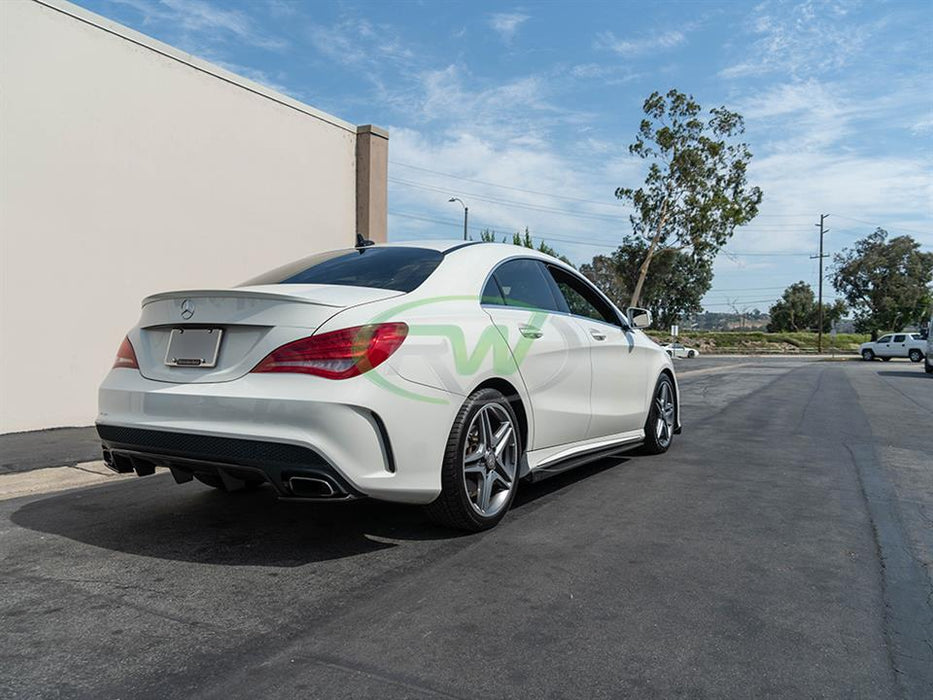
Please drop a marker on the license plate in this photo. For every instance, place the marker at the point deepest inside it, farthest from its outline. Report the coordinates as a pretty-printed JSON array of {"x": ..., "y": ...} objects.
[{"x": 193, "y": 347}]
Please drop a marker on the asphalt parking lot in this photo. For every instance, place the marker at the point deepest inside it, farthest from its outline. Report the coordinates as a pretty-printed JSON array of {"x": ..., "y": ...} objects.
[{"x": 783, "y": 547}]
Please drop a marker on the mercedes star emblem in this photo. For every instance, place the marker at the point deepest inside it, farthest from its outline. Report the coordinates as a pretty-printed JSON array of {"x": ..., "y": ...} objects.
[{"x": 187, "y": 309}]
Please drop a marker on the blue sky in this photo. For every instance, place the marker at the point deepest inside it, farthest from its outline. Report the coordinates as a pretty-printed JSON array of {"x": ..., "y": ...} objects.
[{"x": 525, "y": 110}]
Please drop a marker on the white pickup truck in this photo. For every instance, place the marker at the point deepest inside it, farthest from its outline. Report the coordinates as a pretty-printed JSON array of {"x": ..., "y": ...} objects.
[{"x": 895, "y": 345}]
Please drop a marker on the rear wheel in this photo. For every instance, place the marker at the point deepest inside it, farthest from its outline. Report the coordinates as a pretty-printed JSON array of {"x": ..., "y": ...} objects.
[
  {"x": 868, "y": 355},
  {"x": 915, "y": 355},
  {"x": 659, "y": 428},
  {"x": 479, "y": 475}
]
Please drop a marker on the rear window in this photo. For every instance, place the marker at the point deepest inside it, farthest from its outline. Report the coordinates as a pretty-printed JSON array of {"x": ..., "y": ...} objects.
[{"x": 399, "y": 269}]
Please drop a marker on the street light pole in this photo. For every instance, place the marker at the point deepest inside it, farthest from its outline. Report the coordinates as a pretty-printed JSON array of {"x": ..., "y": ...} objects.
[{"x": 466, "y": 214}]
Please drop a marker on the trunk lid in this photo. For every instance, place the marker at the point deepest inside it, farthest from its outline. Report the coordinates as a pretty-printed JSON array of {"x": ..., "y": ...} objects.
[{"x": 253, "y": 322}]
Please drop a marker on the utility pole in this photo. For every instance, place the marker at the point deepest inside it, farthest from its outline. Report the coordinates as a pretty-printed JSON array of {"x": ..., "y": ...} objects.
[{"x": 823, "y": 232}]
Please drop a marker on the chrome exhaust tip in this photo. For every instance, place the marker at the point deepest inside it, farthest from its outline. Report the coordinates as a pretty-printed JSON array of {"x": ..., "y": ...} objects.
[{"x": 311, "y": 487}]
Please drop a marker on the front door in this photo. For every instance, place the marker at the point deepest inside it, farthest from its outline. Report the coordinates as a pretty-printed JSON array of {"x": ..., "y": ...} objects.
[{"x": 620, "y": 372}]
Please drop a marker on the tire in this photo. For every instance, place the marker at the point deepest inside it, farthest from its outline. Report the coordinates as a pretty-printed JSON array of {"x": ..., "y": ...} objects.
[
  {"x": 915, "y": 355},
  {"x": 659, "y": 426},
  {"x": 868, "y": 355},
  {"x": 479, "y": 474},
  {"x": 691, "y": 354}
]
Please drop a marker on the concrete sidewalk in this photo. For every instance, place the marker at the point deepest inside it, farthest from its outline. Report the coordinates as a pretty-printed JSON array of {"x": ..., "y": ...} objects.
[
  {"x": 51, "y": 479},
  {"x": 43, "y": 461},
  {"x": 56, "y": 447}
]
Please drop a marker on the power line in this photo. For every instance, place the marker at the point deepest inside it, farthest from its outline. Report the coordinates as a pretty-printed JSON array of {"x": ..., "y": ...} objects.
[
  {"x": 575, "y": 213},
  {"x": 504, "y": 187},
  {"x": 545, "y": 236},
  {"x": 869, "y": 223},
  {"x": 552, "y": 194},
  {"x": 512, "y": 203}
]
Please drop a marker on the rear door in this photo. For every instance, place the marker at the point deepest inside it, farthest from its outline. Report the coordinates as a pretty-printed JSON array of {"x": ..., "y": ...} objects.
[
  {"x": 899, "y": 345},
  {"x": 551, "y": 351},
  {"x": 620, "y": 372}
]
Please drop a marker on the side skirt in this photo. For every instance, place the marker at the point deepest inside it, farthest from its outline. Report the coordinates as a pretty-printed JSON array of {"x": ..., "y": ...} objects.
[{"x": 584, "y": 456}]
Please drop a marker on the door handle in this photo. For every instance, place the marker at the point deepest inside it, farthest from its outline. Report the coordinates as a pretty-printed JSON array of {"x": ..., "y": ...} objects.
[
  {"x": 597, "y": 335},
  {"x": 530, "y": 331}
]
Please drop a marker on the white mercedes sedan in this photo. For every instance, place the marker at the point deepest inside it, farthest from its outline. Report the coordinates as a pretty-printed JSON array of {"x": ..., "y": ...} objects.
[
  {"x": 680, "y": 351},
  {"x": 436, "y": 373}
]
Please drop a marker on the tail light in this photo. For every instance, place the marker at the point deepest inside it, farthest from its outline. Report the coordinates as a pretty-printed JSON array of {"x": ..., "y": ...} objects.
[
  {"x": 339, "y": 354},
  {"x": 126, "y": 356}
]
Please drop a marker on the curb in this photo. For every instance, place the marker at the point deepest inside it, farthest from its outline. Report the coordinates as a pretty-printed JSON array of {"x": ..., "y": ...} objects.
[{"x": 51, "y": 479}]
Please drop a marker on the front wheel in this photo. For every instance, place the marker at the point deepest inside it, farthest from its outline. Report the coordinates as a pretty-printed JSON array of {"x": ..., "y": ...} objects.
[
  {"x": 479, "y": 475},
  {"x": 915, "y": 355},
  {"x": 691, "y": 354},
  {"x": 868, "y": 355},
  {"x": 659, "y": 427}
]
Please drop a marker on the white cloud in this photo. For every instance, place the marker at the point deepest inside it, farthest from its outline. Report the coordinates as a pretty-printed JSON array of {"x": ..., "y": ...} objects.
[
  {"x": 202, "y": 24},
  {"x": 801, "y": 40},
  {"x": 924, "y": 125},
  {"x": 357, "y": 42},
  {"x": 606, "y": 74},
  {"x": 639, "y": 45},
  {"x": 506, "y": 24},
  {"x": 824, "y": 161}
]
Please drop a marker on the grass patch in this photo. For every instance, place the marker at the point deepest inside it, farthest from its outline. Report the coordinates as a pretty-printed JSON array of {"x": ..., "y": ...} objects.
[{"x": 760, "y": 342}]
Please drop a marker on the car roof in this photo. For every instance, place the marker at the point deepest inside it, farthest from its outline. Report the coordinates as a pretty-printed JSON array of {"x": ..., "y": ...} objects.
[
  {"x": 441, "y": 244},
  {"x": 493, "y": 248}
]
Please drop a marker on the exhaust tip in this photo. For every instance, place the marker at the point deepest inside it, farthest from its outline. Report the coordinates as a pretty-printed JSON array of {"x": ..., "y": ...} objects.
[{"x": 311, "y": 487}]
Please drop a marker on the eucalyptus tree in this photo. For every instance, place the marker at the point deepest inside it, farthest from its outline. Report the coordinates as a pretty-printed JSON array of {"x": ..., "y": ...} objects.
[
  {"x": 886, "y": 282},
  {"x": 696, "y": 191}
]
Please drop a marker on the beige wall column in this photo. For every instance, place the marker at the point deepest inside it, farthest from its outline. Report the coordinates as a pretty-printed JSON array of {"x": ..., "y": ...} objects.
[{"x": 372, "y": 172}]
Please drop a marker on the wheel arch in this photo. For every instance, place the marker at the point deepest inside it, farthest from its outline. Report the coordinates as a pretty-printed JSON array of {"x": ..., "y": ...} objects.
[{"x": 507, "y": 389}]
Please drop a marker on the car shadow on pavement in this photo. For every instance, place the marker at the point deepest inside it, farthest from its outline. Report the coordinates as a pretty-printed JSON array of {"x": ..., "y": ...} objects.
[
  {"x": 902, "y": 373},
  {"x": 153, "y": 517}
]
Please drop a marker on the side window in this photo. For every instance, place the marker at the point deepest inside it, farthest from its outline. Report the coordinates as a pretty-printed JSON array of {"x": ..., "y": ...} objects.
[
  {"x": 491, "y": 293},
  {"x": 523, "y": 283},
  {"x": 884, "y": 339},
  {"x": 899, "y": 338},
  {"x": 581, "y": 299}
]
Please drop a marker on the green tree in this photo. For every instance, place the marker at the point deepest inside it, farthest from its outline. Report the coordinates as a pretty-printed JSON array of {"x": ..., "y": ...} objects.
[
  {"x": 696, "y": 191},
  {"x": 675, "y": 287},
  {"x": 523, "y": 239},
  {"x": 886, "y": 283},
  {"x": 798, "y": 310}
]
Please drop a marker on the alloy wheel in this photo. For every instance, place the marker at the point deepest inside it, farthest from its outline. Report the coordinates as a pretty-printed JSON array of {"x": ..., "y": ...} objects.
[
  {"x": 490, "y": 460},
  {"x": 664, "y": 408}
]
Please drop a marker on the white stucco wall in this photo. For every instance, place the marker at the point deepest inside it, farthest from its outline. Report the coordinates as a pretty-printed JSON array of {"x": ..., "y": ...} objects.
[{"x": 126, "y": 168}]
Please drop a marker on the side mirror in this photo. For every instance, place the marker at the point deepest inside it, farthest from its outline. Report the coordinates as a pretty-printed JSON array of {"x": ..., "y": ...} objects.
[{"x": 640, "y": 318}]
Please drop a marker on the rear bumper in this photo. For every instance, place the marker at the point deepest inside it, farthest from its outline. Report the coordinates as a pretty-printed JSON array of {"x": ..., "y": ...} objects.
[
  {"x": 360, "y": 438},
  {"x": 292, "y": 470}
]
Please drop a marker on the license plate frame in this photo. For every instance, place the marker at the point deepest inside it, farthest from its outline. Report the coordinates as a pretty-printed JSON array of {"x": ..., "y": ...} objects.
[{"x": 193, "y": 347}]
